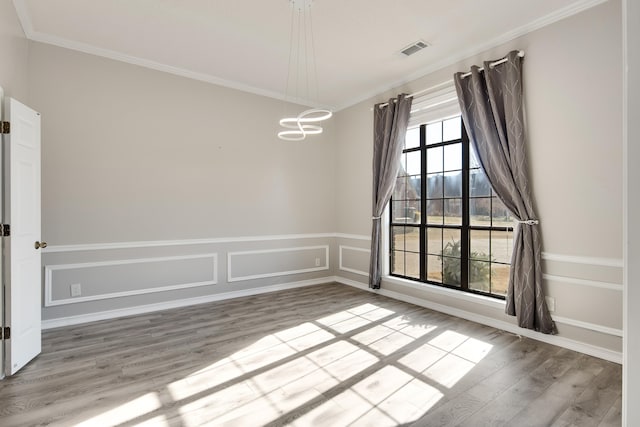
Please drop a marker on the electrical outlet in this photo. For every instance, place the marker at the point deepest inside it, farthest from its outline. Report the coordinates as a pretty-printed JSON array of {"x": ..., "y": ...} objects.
[
  {"x": 551, "y": 304},
  {"x": 317, "y": 262},
  {"x": 76, "y": 290}
]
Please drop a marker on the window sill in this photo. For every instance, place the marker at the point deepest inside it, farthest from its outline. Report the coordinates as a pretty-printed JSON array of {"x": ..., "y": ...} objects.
[{"x": 450, "y": 293}]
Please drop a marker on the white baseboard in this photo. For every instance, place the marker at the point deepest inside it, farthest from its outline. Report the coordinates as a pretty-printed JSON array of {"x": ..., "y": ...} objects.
[
  {"x": 148, "y": 308},
  {"x": 600, "y": 352}
]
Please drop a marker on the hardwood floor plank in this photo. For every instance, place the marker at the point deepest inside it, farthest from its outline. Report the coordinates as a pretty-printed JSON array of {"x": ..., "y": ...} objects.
[{"x": 326, "y": 355}]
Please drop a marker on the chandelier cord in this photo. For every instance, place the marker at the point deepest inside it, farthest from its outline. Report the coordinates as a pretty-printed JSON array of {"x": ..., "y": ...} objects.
[
  {"x": 313, "y": 56},
  {"x": 286, "y": 88},
  {"x": 298, "y": 127}
]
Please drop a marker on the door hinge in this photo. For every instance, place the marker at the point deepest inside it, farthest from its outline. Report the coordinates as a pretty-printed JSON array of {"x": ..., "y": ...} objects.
[
  {"x": 5, "y": 127},
  {"x": 5, "y": 230},
  {"x": 5, "y": 332}
]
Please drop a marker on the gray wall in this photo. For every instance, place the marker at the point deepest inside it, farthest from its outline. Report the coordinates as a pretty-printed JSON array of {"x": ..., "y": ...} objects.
[
  {"x": 14, "y": 50},
  {"x": 631, "y": 371},
  {"x": 573, "y": 93},
  {"x": 134, "y": 155}
]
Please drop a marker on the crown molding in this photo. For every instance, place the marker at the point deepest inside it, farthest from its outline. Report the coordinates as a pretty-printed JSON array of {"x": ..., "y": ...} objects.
[{"x": 24, "y": 17}]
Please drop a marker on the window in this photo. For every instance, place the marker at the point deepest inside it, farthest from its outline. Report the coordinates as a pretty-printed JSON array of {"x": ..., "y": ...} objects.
[{"x": 447, "y": 227}]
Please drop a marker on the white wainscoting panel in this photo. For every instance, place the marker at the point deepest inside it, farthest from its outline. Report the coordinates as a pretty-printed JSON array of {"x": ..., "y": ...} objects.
[
  {"x": 115, "y": 265},
  {"x": 256, "y": 262},
  {"x": 342, "y": 265}
]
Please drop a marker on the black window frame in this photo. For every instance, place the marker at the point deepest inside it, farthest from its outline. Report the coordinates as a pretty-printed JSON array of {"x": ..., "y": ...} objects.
[{"x": 465, "y": 227}]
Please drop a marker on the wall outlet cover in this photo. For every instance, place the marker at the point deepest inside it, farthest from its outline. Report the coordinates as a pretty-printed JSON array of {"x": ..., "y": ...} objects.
[
  {"x": 551, "y": 304},
  {"x": 76, "y": 290}
]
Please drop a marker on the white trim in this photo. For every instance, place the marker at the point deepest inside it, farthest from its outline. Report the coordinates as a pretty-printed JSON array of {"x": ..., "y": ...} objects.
[
  {"x": 230, "y": 277},
  {"x": 573, "y": 259},
  {"x": 148, "y": 308},
  {"x": 182, "y": 242},
  {"x": 351, "y": 270},
  {"x": 587, "y": 325},
  {"x": 352, "y": 236},
  {"x": 450, "y": 293},
  {"x": 49, "y": 269},
  {"x": 584, "y": 282},
  {"x": 592, "y": 350}
]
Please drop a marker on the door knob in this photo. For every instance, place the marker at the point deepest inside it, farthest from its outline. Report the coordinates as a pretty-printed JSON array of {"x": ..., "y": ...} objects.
[{"x": 39, "y": 245}]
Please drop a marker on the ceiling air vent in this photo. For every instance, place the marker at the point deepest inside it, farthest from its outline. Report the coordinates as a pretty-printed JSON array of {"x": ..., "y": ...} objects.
[{"x": 414, "y": 47}]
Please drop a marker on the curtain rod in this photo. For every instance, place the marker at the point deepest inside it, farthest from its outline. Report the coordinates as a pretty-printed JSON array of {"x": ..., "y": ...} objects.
[
  {"x": 448, "y": 82},
  {"x": 493, "y": 64}
]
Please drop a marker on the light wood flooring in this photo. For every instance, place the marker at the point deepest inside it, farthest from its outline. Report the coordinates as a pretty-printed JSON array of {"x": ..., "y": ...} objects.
[{"x": 326, "y": 355}]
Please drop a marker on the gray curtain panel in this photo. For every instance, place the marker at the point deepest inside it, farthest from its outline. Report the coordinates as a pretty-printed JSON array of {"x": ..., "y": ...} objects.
[
  {"x": 492, "y": 110},
  {"x": 389, "y": 129}
]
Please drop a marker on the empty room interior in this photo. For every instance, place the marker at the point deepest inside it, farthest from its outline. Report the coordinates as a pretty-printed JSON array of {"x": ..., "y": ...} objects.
[{"x": 319, "y": 213}]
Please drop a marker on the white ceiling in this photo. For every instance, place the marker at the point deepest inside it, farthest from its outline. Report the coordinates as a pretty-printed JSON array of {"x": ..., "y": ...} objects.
[{"x": 245, "y": 44}]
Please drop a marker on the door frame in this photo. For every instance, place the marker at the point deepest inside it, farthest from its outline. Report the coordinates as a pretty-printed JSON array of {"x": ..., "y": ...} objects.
[{"x": 2, "y": 289}]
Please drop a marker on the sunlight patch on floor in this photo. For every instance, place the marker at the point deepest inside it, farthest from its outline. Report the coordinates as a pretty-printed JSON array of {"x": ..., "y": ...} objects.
[
  {"x": 391, "y": 343},
  {"x": 448, "y": 340},
  {"x": 473, "y": 350},
  {"x": 372, "y": 334},
  {"x": 298, "y": 368},
  {"x": 213, "y": 405},
  {"x": 449, "y": 370},
  {"x": 364, "y": 308},
  {"x": 126, "y": 412},
  {"x": 422, "y": 357}
]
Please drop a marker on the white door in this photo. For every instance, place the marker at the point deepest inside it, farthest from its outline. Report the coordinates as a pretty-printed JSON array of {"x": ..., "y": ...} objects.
[{"x": 22, "y": 276}]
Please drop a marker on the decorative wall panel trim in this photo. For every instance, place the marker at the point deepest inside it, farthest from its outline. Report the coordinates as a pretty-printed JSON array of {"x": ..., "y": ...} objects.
[
  {"x": 49, "y": 270},
  {"x": 600, "y": 261},
  {"x": 353, "y": 236},
  {"x": 584, "y": 282},
  {"x": 182, "y": 242},
  {"x": 351, "y": 270},
  {"x": 231, "y": 255}
]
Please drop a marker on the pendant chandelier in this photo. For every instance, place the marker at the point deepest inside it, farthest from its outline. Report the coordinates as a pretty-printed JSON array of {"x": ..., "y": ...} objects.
[{"x": 302, "y": 69}]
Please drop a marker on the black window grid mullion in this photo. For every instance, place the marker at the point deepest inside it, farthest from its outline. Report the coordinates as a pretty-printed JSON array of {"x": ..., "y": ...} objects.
[
  {"x": 423, "y": 203},
  {"x": 464, "y": 246},
  {"x": 490, "y": 243}
]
